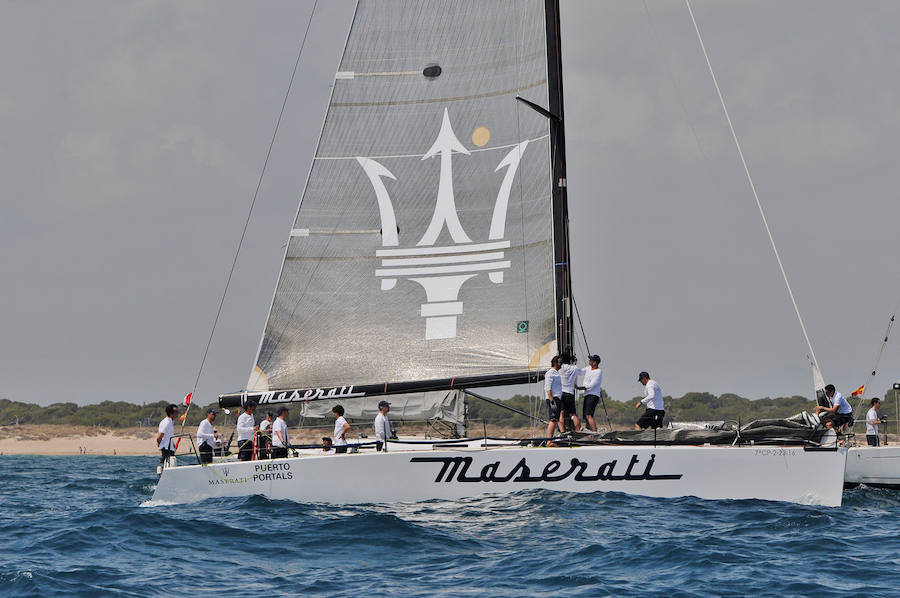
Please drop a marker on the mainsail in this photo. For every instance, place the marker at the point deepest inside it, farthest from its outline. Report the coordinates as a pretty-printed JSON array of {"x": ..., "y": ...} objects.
[{"x": 429, "y": 242}]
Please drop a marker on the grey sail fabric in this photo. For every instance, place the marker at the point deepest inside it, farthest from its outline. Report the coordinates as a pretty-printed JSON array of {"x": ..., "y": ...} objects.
[
  {"x": 445, "y": 406},
  {"x": 423, "y": 245}
]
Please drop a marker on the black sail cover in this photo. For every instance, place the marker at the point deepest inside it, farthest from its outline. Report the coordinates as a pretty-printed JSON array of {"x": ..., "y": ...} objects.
[{"x": 423, "y": 245}]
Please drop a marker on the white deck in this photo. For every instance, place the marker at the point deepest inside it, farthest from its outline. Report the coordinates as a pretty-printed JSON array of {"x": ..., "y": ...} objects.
[{"x": 713, "y": 472}]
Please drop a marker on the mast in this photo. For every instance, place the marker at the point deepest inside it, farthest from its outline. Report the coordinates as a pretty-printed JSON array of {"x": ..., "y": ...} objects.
[{"x": 564, "y": 326}]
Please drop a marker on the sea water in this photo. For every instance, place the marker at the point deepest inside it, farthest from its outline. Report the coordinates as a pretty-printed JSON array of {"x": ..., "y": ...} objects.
[{"x": 82, "y": 526}]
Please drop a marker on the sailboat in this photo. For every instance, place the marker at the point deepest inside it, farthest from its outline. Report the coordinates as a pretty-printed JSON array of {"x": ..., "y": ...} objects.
[{"x": 430, "y": 255}]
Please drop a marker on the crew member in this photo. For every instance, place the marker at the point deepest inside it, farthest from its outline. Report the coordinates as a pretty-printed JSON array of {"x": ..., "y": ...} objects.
[
  {"x": 653, "y": 401},
  {"x": 341, "y": 427},
  {"x": 164, "y": 438},
  {"x": 872, "y": 421},
  {"x": 206, "y": 437},
  {"x": 280, "y": 434},
  {"x": 553, "y": 392},
  {"x": 840, "y": 412},
  {"x": 265, "y": 435},
  {"x": 327, "y": 447},
  {"x": 246, "y": 430},
  {"x": 592, "y": 376},
  {"x": 383, "y": 429},
  {"x": 568, "y": 373}
]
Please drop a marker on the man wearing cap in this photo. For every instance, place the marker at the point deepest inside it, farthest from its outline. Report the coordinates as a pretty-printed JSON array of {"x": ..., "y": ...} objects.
[
  {"x": 383, "y": 429},
  {"x": 280, "y": 434},
  {"x": 246, "y": 430},
  {"x": 553, "y": 392},
  {"x": 164, "y": 438},
  {"x": 568, "y": 373},
  {"x": 206, "y": 437},
  {"x": 592, "y": 376},
  {"x": 653, "y": 401}
]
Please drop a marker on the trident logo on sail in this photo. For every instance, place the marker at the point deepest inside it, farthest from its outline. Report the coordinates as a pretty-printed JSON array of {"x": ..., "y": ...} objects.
[{"x": 442, "y": 270}]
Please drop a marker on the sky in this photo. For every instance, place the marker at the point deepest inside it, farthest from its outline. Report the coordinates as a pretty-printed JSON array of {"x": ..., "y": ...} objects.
[{"x": 134, "y": 134}]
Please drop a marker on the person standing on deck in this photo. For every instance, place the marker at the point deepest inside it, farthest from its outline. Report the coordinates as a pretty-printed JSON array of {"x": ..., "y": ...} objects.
[
  {"x": 206, "y": 437},
  {"x": 872, "y": 421},
  {"x": 246, "y": 430},
  {"x": 592, "y": 376},
  {"x": 653, "y": 401},
  {"x": 341, "y": 427},
  {"x": 164, "y": 438},
  {"x": 280, "y": 434},
  {"x": 839, "y": 413},
  {"x": 383, "y": 429},
  {"x": 553, "y": 392},
  {"x": 568, "y": 374}
]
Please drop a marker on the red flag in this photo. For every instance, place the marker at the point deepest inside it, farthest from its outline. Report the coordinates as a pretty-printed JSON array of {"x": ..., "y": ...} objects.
[
  {"x": 187, "y": 398},
  {"x": 858, "y": 391}
]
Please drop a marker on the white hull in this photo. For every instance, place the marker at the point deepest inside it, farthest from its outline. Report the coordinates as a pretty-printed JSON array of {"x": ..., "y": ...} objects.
[
  {"x": 769, "y": 473},
  {"x": 873, "y": 465}
]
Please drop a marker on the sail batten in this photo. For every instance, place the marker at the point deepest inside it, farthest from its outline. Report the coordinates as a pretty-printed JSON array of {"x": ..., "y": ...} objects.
[{"x": 424, "y": 246}]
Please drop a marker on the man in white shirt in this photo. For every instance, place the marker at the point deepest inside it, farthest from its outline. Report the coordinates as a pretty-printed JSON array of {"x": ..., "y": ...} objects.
[
  {"x": 164, "y": 438},
  {"x": 383, "y": 429},
  {"x": 568, "y": 373},
  {"x": 280, "y": 434},
  {"x": 872, "y": 421},
  {"x": 591, "y": 378},
  {"x": 341, "y": 427},
  {"x": 653, "y": 401},
  {"x": 207, "y": 436},
  {"x": 840, "y": 412},
  {"x": 553, "y": 394},
  {"x": 265, "y": 435},
  {"x": 246, "y": 430}
]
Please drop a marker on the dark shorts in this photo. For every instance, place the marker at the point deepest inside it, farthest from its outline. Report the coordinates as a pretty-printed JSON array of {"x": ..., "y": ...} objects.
[
  {"x": 340, "y": 449},
  {"x": 590, "y": 403},
  {"x": 838, "y": 419},
  {"x": 553, "y": 409},
  {"x": 652, "y": 418},
  {"x": 279, "y": 452},
  {"x": 165, "y": 454},
  {"x": 568, "y": 403},
  {"x": 245, "y": 449},
  {"x": 872, "y": 439},
  {"x": 206, "y": 453}
]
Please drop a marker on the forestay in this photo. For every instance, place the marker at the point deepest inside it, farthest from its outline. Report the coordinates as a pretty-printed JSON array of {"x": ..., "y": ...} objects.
[{"x": 423, "y": 244}]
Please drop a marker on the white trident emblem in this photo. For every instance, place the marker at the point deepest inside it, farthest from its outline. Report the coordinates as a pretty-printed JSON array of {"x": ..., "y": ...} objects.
[{"x": 442, "y": 270}]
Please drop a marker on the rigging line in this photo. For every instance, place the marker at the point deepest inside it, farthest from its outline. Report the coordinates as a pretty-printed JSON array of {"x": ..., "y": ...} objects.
[
  {"x": 762, "y": 213},
  {"x": 254, "y": 375},
  {"x": 871, "y": 376},
  {"x": 659, "y": 47},
  {"x": 255, "y": 195},
  {"x": 580, "y": 324}
]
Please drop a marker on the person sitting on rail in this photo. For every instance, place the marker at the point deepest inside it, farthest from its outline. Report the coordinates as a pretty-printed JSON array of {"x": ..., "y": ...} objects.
[{"x": 840, "y": 413}]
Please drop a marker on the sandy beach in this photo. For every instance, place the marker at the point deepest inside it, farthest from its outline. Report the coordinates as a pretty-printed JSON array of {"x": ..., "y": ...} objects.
[
  {"x": 46, "y": 439},
  {"x": 70, "y": 440}
]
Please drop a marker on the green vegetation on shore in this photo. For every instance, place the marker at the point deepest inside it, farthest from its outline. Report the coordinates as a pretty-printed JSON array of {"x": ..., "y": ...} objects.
[{"x": 694, "y": 406}]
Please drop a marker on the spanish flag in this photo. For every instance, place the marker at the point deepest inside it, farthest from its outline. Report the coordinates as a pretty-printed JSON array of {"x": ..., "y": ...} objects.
[{"x": 858, "y": 391}]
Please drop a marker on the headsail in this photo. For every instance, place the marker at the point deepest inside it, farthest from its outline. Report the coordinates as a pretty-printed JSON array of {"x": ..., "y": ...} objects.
[{"x": 423, "y": 247}]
